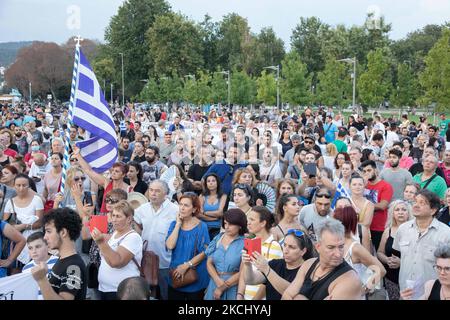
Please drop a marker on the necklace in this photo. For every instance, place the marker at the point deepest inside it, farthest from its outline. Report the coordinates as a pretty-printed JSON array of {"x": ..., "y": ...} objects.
[
  {"x": 443, "y": 294},
  {"x": 321, "y": 277}
]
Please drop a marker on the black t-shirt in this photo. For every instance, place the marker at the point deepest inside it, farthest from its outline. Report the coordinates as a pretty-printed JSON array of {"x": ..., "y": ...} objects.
[
  {"x": 139, "y": 158},
  {"x": 358, "y": 125},
  {"x": 196, "y": 172},
  {"x": 416, "y": 153},
  {"x": 444, "y": 216},
  {"x": 140, "y": 186},
  {"x": 279, "y": 266},
  {"x": 69, "y": 275}
]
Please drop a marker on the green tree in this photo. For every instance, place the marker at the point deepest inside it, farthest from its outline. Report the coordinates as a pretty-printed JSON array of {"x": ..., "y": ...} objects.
[
  {"x": 219, "y": 88},
  {"x": 307, "y": 39},
  {"x": 104, "y": 70},
  {"x": 150, "y": 92},
  {"x": 435, "y": 79},
  {"x": 374, "y": 85},
  {"x": 170, "y": 88},
  {"x": 233, "y": 38},
  {"x": 190, "y": 90},
  {"x": 243, "y": 88},
  {"x": 203, "y": 88},
  {"x": 267, "y": 88},
  {"x": 295, "y": 84},
  {"x": 126, "y": 34},
  {"x": 406, "y": 89},
  {"x": 267, "y": 50},
  {"x": 334, "y": 87},
  {"x": 209, "y": 33},
  {"x": 175, "y": 45}
]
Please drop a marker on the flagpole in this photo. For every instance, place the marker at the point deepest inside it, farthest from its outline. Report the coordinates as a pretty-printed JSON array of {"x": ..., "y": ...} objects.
[{"x": 71, "y": 105}]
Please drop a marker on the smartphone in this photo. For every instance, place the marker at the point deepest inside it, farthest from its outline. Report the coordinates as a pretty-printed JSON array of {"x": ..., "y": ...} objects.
[
  {"x": 99, "y": 222},
  {"x": 88, "y": 198},
  {"x": 252, "y": 245},
  {"x": 310, "y": 169}
]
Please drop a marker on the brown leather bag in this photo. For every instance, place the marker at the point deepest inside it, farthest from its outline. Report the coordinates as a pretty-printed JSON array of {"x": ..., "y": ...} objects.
[
  {"x": 149, "y": 267},
  {"x": 189, "y": 277}
]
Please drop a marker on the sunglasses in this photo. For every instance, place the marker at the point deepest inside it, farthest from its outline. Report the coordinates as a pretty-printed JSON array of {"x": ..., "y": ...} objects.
[
  {"x": 76, "y": 179},
  {"x": 109, "y": 200},
  {"x": 325, "y": 195},
  {"x": 309, "y": 142},
  {"x": 296, "y": 232}
]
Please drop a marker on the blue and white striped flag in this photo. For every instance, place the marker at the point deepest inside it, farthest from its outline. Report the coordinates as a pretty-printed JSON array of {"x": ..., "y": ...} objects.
[
  {"x": 340, "y": 192},
  {"x": 91, "y": 112}
]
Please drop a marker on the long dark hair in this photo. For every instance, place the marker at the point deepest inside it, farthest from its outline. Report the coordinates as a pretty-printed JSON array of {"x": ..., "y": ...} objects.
[
  {"x": 138, "y": 168},
  {"x": 281, "y": 203},
  {"x": 206, "y": 191}
]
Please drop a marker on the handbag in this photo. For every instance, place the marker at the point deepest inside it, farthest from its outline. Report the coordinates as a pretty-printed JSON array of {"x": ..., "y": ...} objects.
[
  {"x": 189, "y": 277},
  {"x": 149, "y": 267}
]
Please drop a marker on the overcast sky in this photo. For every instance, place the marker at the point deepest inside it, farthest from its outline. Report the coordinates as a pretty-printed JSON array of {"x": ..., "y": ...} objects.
[{"x": 49, "y": 20}]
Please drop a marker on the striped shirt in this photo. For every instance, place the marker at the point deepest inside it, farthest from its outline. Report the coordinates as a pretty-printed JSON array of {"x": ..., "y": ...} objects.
[
  {"x": 270, "y": 249},
  {"x": 50, "y": 263}
]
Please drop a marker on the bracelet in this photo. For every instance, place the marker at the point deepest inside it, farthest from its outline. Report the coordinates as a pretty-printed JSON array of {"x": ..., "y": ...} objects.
[
  {"x": 240, "y": 294},
  {"x": 190, "y": 264},
  {"x": 267, "y": 275}
]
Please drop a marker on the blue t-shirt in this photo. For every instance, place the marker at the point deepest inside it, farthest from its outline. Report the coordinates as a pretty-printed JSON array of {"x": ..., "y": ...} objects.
[
  {"x": 330, "y": 134},
  {"x": 184, "y": 251}
]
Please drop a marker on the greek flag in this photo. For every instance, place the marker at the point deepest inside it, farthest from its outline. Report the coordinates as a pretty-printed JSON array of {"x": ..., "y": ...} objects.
[
  {"x": 340, "y": 192},
  {"x": 91, "y": 112}
]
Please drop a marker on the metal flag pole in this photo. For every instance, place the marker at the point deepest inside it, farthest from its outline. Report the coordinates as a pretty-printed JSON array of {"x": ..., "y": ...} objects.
[{"x": 71, "y": 105}]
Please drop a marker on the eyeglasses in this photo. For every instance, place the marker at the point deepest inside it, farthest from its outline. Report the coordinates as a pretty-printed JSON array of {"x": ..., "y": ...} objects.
[
  {"x": 440, "y": 269},
  {"x": 296, "y": 232},
  {"x": 76, "y": 179},
  {"x": 309, "y": 142},
  {"x": 324, "y": 195},
  {"x": 109, "y": 200}
]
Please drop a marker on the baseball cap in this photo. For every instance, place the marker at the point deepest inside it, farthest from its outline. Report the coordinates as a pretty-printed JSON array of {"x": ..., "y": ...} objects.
[{"x": 311, "y": 137}]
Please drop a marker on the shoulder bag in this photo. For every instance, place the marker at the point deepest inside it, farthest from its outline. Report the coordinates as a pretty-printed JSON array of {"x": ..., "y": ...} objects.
[{"x": 189, "y": 277}]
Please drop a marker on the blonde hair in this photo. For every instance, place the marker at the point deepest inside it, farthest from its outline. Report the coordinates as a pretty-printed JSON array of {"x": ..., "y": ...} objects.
[
  {"x": 124, "y": 207},
  {"x": 392, "y": 206},
  {"x": 239, "y": 172},
  {"x": 331, "y": 150},
  {"x": 71, "y": 174}
]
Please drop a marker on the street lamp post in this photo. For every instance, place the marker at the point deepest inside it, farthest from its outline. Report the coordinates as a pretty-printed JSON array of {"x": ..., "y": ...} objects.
[
  {"x": 229, "y": 86},
  {"x": 123, "y": 82},
  {"x": 277, "y": 68},
  {"x": 112, "y": 101},
  {"x": 352, "y": 60},
  {"x": 30, "y": 91}
]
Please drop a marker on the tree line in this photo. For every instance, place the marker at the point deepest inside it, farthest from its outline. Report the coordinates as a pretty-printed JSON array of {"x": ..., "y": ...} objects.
[{"x": 170, "y": 58}]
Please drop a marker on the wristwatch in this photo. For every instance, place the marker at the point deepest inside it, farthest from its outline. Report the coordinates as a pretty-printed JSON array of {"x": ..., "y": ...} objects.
[{"x": 190, "y": 264}]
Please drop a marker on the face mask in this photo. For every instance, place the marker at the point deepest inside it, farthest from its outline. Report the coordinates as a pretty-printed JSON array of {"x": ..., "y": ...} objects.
[{"x": 35, "y": 148}]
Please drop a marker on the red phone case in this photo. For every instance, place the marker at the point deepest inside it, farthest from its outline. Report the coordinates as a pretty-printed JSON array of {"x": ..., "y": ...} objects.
[
  {"x": 252, "y": 245},
  {"x": 99, "y": 222}
]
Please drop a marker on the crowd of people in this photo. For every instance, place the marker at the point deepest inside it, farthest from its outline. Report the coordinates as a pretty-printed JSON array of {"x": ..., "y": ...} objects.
[{"x": 342, "y": 207}]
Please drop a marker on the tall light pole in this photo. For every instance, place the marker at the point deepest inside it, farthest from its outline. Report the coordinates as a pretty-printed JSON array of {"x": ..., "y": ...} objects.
[
  {"x": 352, "y": 60},
  {"x": 229, "y": 86},
  {"x": 123, "y": 82},
  {"x": 30, "y": 91},
  {"x": 277, "y": 68},
  {"x": 112, "y": 101}
]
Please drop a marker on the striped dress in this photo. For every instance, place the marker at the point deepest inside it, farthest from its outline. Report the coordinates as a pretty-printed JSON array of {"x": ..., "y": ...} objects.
[{"x": 270, "y": 249}]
